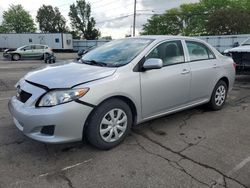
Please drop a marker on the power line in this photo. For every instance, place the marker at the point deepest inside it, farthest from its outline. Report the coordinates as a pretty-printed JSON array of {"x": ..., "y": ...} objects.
[
  {"x": 122, "y": 17},
  {"x": 103, "y": 5}
]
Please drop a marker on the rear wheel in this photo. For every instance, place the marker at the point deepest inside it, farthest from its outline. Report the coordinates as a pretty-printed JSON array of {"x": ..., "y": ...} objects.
[
  {"x": 219, "y": 96},
  {"x": 16, "y": 57},
  {"x": 109, "y": 124},
  {"x": 45, "y": 55}
]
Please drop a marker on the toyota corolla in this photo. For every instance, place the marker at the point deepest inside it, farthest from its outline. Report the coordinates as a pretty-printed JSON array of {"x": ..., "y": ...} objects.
[{"x": 120, "y": 84}]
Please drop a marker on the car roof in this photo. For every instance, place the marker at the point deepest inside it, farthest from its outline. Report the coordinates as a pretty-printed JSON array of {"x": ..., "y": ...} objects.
[
  {"x": 167, "y": 37},
  {"x": 32, "y": 45}
]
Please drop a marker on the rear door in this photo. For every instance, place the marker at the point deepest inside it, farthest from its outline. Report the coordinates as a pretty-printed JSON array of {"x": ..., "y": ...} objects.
[
  {"x": 204, "y": 70},
  {"x": 166, "y": 88},
  {"x": 38, "y": 50}
]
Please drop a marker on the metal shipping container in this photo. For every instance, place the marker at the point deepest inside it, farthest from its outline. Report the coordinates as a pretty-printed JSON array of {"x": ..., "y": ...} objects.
[
  {"x": 57, "y": 41},
  {"x": 223, "y": 42},
  {"x": 86, "y": 44}
]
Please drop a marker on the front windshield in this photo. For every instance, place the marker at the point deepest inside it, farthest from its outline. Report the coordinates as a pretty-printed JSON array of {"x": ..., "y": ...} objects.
[
  {"x": 118, "y": 52},
  {"x": 247, "y": 42}
]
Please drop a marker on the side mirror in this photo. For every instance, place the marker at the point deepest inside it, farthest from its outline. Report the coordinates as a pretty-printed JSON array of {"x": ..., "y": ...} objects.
[
  {"x": 153, "y": 63},
  {"x": 24, "y": 49},
  {"x": 236, "y": 44}
]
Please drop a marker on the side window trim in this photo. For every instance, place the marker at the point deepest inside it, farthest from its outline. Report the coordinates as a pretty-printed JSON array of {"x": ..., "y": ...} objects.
[{"x": 206, "y": 47}]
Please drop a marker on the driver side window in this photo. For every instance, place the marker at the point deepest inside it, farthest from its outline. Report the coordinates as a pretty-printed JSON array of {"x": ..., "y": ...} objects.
[
  {"x": 169, "y": 52},
  {"x": 27, "y": 48}
]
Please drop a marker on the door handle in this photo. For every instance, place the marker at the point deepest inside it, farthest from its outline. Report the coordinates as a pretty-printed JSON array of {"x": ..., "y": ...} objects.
[{"x": 185, "y": 71}]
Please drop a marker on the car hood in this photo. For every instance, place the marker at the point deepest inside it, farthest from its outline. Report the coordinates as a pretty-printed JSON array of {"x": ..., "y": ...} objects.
[
  {"x": 239, "y": 49},
  {"x": 67, "y": 75},
  {"x": 9, "y": 50}
]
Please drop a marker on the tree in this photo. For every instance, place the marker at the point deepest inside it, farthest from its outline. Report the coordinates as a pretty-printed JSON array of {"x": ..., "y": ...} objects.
[
  {"x": 169, "y": 23},
  {"x": 202, "y": 18},
  {"x": 18, "y": 20},
  {"x": 51, "y": 20},
  {"x": 194, "y": 18},
  {"x": 107, "y": 38},
  {"x": 3, "y": 29},
  {"x": 228, "y": 21},
  {"x": 81, "y": 21}
]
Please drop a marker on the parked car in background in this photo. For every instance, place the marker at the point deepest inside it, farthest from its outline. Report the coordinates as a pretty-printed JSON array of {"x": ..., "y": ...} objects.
[
  {"x": 241, "y": 56},
  {"x": 28, "y": 52},
  {"x": 117, "y": 85},
  {"x": 81, "y": 52}
]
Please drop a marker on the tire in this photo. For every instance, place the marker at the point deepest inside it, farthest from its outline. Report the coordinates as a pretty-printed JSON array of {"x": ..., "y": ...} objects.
[
  {"x": 219, "y": 96},
  {"x": 45, "y": 55},
  {"x": 104, "y": 132},
  {"x": 15, "y": 57}
]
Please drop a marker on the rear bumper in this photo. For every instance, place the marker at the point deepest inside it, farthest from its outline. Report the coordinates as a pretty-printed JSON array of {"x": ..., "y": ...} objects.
[{"x": 68, "y": 121}]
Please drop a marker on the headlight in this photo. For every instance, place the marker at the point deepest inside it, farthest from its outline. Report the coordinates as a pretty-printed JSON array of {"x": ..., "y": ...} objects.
[{"x": 56, "y": 97}]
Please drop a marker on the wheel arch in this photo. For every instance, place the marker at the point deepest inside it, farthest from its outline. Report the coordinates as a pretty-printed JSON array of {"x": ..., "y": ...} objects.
[
  {"x": 125, "y": 99},
  {"x": 17, "y": 54},
  {"x": 225, "y": 79}
]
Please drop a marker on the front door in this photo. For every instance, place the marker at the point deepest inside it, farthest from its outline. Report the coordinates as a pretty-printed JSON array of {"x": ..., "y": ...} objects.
[
  {"x": 166, "y": 88},
  {"x": 27, "y": 51}
]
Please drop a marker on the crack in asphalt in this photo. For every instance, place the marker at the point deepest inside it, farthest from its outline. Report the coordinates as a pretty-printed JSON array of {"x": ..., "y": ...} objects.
[
  {"x": 68, "y": 180},
  {"x": 188, "y": 158},
  {"x": 242, "y": 87},
  {"x": 184, "y": 123},
  {"x": 171, "y": 163},
  {"x": 241, "y": 100},
  {"x": 12, "y": 143}
]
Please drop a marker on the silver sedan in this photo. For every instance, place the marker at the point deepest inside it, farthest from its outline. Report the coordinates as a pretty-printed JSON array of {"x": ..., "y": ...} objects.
[{"x": 120, "y": 84}]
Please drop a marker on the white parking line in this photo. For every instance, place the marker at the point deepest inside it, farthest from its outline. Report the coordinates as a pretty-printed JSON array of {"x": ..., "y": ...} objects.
[
  {"x": 3, "y": 99},
  {"x": 67, "y": 168},
  {"x": 235, "y": 169}
]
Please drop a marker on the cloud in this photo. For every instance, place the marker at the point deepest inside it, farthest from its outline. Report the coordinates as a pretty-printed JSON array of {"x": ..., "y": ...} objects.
[
  {"x": 113, "y": 17},
  {"x": 160, "y": 6},
  {"x": 1, "y": 14},
  {"x": 123, "y": 24}
]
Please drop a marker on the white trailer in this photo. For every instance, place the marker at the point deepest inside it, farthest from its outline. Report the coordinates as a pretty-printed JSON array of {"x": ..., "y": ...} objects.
[
  {"x": 223, "y": 42},
  {"x": 57, "y": 41}
]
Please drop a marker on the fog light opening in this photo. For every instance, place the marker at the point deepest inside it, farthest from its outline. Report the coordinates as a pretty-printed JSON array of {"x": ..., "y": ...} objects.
[{"x": 48, "y": 130}]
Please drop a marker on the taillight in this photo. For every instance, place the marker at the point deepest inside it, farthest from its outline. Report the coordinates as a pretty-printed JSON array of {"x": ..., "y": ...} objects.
[{"x": 235, "y": 65}]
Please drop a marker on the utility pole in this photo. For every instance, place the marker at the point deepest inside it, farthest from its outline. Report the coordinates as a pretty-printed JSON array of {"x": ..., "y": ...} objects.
[{"x": 134, "y": 22}]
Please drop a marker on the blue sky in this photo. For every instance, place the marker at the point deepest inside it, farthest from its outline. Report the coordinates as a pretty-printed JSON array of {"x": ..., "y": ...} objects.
[{"x": 104, "y": 11}]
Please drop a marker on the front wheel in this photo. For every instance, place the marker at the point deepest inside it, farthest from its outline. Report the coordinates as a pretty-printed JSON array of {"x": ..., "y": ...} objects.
[
  {"x": 219, "y": 96},
  {"x": 16, "y": 57},
  {"x": 109, "y": 124}
]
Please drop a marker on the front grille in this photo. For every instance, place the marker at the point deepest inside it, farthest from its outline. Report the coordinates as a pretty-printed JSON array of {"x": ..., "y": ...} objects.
[{"x": 23, "y": 96}]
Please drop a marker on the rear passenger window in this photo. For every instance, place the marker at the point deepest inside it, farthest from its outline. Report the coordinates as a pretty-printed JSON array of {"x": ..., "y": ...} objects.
[
  {"x": 198, "y": 51},
  {"x": 170, "y": 53},
  {"x": 39, "y": 47}
]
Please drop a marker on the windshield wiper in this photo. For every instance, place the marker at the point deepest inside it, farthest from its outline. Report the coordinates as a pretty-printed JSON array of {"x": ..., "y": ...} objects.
[{"x": 93, "y": 62}]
